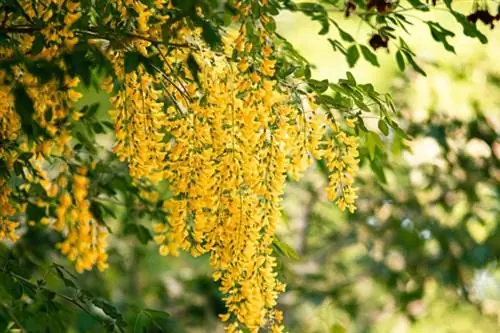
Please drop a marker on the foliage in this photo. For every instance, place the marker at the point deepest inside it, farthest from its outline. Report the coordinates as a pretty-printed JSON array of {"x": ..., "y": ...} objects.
[
  {"x": 429, "y": 222},
  {"x": 211, "y": 110}
]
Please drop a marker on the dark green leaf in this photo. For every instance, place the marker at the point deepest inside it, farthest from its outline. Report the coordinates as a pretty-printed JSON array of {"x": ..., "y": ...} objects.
[
  {"x": 165, "y": 33},
  {"x": 419, "y": 5},
  {"x": 336, "y": 45},
  {"x": 11, "y": 286},
  {"x": 317, "y": 13},
  {"x": 345, "y": 36},
  {"x": 400, "y": 61},
  {"x": 193, "y": 67},
  {"x": 48, "y": 115},
  {"x": 25, "y": 109},
  {"x": 34, "y": 213},
  {"x": 413, "y": 64},
  {"x": 131, "y": 61},
  {"x": 319, "y": 86},
  {"x": 38, "y": 44},
  {"x": 142, "y": 322},
  {"x": 369, "y": 55},
  {"x": 62, "y": 275},
  {"x": 352, "y": 55},
  {"x": 210, "y": 34},
  {"x": 4, "y": 320},
  {"x": 92, "y": 110},
  {"x": 440, "y": 34},
  {"x": 142, "y": 233},
  {"x": 468, "y": 27}
]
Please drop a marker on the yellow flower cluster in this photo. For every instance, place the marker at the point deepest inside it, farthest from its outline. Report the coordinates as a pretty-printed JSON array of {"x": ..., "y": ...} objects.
[
  {"x": 138, "y": 123},
  {"x": 233, "y": 136},
  {"x": 9, "y": 122},
  {"x": 220, "y": 127},
  {"x": 85, "y": 240},
  {"x": 341, "y": 157},
  {"x": 58, "y": 37},
  {"x": 7, "y": 226}
]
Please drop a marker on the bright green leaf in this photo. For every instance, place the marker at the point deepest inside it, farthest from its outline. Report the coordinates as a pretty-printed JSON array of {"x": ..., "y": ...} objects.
[
  {"x": 382, "y": 126},
  {"x": 285, "y": 249}
]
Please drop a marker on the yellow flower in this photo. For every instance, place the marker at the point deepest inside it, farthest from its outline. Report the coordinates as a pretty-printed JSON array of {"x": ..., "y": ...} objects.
[{"x": 243, "y": 65}]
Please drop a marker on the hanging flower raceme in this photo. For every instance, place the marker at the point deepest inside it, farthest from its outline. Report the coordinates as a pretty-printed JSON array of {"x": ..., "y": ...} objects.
[
  {"x": 47, "y": 96},
  {"x": 85, "y": 240},
  {"x": 7, "y": 211}
]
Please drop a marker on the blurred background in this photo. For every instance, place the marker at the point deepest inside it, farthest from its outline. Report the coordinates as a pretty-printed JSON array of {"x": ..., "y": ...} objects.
[{"x": 420, "y": 253}]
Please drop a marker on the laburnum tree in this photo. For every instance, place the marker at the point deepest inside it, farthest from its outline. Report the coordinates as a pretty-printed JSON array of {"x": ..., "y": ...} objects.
[{"x": 211, "y": 111}]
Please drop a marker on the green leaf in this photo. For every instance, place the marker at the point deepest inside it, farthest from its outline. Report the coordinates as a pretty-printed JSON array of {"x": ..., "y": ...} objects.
[
  {"x": 11, "y": 286},
  {"x": 48, "y": 115},
  {"x": 307, "y": 72},
  {"x": 337, "y": 46},
  {"x": 157, "y": 314},
  {"x": 317, "y": 13},
  {"x": 413, "y": 64},
  {"x": 34, "y": 213},
  {"x": 327, "y": 100},
  {"x": 4, "y": 321},
  {"x": 350, "y": 78},
  {"x": 352, "y": 55},
  {"x": 111, "y": 311},
  {"x": 61, "y": 273},
  {"x": 165, "y": 33},
  {"x": 285, "y": 249},
  {"x": 440, "y": 34},
  {"x": 419, "y": 5},
  {"x": 96, "y": 208},
  {"x": 38, "y": 44},
  {"x": 92, "y": 110},
  {"x": 142, "y": 323},
  {"x": 370, "y": 145},
  {"x": 369, "y": 55},
  {"x": 318, "y": 86},
  {"x": 193, "y": 67},
  {"x": 382, "y": 126},
  {"x": 25, "y": 109},
  {"x": 142, "y": 233},
  {"x": 337, "y": 328},
  {"x": 345, "y": 35},
  {"x": 210, "y": 34},
  {"x": 468, "y": 27},
  {"x": 400, "y": 61},
  {"x": 378, "y": 169},
  {"x": 45, "y": 71},
  {"x": 148, "y": 317},
  {"x": 131, "y": 61}
]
